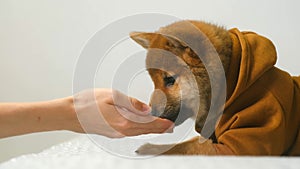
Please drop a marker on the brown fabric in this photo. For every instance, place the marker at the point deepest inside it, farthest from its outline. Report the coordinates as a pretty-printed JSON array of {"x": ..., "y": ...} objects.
[{"x": 262, "y": 112}]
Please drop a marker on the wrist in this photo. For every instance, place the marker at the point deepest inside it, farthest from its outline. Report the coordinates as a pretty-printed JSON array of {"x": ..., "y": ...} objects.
[
  {"x": 50, "y": 115},
  {"x": 68, "y": 118},
  {"x": 58, "y": 114}
]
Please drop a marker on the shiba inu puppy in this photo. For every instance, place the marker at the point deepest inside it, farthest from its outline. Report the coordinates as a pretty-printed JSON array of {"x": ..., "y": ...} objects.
[{"x": 183, "y": 89}]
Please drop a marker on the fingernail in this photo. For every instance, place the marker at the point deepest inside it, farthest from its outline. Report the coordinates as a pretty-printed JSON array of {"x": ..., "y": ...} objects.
[
  {"x": 170, "y": 130},
  {"x": 146, "y": 108}
]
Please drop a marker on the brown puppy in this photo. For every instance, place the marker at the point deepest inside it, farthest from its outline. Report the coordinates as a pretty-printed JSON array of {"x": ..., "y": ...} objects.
[{"x": 178, "y": 60}]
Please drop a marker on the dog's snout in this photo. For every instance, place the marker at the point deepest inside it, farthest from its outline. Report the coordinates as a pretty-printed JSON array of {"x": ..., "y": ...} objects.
[
  {"x": 158, "y": 102},
  {"x": 155, "y": 112}
]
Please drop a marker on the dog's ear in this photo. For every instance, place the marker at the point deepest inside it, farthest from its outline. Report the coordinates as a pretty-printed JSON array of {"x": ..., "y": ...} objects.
[
  {"x": 173, "y": 42},
  {"x": 142, "y": 38}
]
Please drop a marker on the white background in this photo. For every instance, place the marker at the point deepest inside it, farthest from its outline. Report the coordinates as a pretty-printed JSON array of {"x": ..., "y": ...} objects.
[{"x": 40, "y": 41}]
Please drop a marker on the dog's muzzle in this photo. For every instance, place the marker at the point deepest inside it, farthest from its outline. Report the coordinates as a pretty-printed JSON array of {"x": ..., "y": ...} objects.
[{"x": 176, "y": 115}]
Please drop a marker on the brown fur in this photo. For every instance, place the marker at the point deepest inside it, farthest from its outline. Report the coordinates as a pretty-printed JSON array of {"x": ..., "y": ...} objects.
[{"x": 182, "y": 92}]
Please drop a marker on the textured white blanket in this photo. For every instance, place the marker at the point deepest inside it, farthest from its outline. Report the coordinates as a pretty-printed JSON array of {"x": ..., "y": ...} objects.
[{"x": 81, "y": 153}]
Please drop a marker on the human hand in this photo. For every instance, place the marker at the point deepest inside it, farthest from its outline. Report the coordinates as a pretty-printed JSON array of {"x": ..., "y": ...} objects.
[{"x": 111, "y": 113}]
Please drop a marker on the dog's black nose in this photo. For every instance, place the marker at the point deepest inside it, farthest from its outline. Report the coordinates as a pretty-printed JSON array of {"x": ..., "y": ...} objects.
[{"x": 165, "y": 115}]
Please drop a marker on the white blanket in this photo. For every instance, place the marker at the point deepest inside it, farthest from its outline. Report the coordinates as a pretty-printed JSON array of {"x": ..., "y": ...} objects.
[{"x": 81, "y": 153}]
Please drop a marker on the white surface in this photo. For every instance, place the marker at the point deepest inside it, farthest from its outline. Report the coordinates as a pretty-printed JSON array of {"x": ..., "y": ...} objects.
[
  {"x": 40, "y": 41},
  {"x": 31, "y": 143},
  {"x": 82, "y": 153}
]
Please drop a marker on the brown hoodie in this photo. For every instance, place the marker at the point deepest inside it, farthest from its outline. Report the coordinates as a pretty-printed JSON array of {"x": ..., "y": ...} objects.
[{"x": 262, "y": 113}]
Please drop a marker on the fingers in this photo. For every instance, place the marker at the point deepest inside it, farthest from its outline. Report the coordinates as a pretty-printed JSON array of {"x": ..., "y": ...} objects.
[
  {"x": 136, "y": 115},
  {"x": 143, "y": 108},
  {"x": 121, "y": 100},
  {"x": 159, "y": 125},
  {"x": 132, "y": 117},
  {"x": 145, "y": 124}
]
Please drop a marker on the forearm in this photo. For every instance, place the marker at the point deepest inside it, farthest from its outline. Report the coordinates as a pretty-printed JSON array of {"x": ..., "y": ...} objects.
[
  {"x": 23, "y": 118},
  {"x": 59, "y": 114}
]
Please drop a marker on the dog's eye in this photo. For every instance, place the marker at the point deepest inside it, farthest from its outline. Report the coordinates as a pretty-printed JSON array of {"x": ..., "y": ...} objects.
[{"x": 169, "y": 80}]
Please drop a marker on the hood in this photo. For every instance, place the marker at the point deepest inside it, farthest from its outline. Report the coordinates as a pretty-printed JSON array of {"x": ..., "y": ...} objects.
[{"x": 252, "y": 56}]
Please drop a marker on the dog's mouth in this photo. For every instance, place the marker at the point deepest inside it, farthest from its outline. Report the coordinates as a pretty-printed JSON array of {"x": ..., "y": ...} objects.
[{"x": 176, "y": 115}]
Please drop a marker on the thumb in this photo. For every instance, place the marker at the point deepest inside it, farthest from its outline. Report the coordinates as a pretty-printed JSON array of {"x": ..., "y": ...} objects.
[
  {"x": 143, "y": 109},
  {"x": 130, "y": 104}
]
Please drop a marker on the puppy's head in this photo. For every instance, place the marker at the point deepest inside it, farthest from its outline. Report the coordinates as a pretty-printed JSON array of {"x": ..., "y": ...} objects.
[{"x": 176, "y": 71}]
